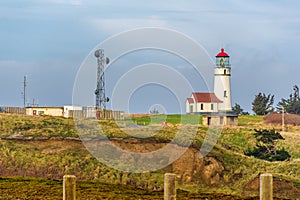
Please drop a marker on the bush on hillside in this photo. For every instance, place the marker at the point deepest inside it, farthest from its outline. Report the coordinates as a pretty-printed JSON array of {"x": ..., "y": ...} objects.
[
  {"x": 276, "y": 118},
  {"x": 266, "y": 146}
]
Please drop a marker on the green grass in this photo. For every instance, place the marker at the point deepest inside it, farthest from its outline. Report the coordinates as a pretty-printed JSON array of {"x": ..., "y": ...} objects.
[
  {"x": 37, "y": 188},
  {"x": 248, "y": 120},
  {"x": 171, "y": 119},
  {"x": 37, "y": 126},
  {"x": 54, "y": 159},
  {"x": 238, "y": 139}
]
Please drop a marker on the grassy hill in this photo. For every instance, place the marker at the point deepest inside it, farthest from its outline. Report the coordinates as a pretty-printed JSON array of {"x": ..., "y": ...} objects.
[{"x": 49, "y": 147}]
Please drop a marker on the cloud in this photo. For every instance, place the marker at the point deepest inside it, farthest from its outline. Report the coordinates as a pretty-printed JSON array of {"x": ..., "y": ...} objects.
[
  {"x": 261, "y": 36},
  {"x": 69, "y": 2},
  {"x": 116, "y": 25}
]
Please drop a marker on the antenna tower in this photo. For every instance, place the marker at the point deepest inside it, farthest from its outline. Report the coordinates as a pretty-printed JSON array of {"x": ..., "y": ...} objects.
[{"x": 101, "y": 98}]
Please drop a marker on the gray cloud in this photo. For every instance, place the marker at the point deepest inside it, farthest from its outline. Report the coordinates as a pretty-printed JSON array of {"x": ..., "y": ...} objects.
[{"x": 47, "y": 40}]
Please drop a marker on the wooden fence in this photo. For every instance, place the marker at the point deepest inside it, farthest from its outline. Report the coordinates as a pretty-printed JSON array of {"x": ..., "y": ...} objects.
[
  {"x": 266, "y": 187},
  {"x": 86, "y": 113},
  {"x": 12, "y": 110},
  {"x": 99, "y": 114},
  {"x": 110, "y": 114},
  {"x": 69, "y": 187}
]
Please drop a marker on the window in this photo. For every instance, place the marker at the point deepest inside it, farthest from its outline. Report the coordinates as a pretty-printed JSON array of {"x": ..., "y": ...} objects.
[
  {"x": 212, "y": 106},
  {"x": 41, "y": 112},
  {"x": 224, "y": 71},
  {"x": 225, "y": 93},
  {"x": 201, "y": 106}
]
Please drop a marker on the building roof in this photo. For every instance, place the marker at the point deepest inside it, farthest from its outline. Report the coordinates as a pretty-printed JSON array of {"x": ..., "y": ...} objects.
[
  {"x": 220, "y": 115},
  {"x": 190, "y": 100},
  {"x": 49, "y": 107},
  {"x": 206, "y": 97},
  {"x": 222, "y": 53}
]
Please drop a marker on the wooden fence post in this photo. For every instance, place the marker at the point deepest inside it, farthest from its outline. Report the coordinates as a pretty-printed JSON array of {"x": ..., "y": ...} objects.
[
  {"x": 266, "y": 187},
  {"x": 170, "y": 186},
  {"x": 69, "y": 187}
]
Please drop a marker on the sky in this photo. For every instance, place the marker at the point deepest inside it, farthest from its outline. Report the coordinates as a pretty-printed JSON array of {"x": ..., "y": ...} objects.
[{"x": 48, "y": 41}]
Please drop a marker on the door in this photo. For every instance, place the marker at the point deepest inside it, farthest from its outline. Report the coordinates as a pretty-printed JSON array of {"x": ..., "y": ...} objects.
[
  {"x": 191, "y": 108},
  {"x": 221, "y": 120}
]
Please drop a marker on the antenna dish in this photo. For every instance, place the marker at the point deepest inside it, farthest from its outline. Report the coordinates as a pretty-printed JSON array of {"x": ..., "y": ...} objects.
[{"x": 97, "y": 53}]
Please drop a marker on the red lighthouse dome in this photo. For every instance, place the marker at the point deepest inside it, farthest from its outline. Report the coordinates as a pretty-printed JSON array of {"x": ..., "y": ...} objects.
[{"x": 222, "y": 53}]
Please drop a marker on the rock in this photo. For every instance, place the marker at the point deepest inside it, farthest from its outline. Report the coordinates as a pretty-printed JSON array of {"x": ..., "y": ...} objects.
[
  {"x": 72, "y": 138},
  {"x": 56, "y": 138},
  {"x": 17, "y": 137},
  {"x": 211, "y": 171},
  {"x": 191, "y": 168}
]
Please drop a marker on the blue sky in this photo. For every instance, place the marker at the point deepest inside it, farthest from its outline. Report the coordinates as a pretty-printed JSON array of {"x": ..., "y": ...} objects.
[{"x": 47, "y": 40}]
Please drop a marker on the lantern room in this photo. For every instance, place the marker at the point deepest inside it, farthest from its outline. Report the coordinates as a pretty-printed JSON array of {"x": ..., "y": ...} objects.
[{"x": 222, "y": 59}]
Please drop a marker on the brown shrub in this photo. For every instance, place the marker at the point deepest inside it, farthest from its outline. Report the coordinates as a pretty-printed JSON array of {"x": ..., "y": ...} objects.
[{"x": 276, "y": 118}]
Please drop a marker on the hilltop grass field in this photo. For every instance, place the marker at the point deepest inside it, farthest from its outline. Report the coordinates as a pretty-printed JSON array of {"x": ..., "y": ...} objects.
[{"x": 36, "y": 151}]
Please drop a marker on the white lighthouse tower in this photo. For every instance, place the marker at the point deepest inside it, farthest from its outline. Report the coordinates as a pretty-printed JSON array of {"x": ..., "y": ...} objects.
[{"x": 222, "y": 81}]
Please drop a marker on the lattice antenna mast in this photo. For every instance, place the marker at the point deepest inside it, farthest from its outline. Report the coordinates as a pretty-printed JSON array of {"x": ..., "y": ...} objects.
[{"x": 101, "y": 98}]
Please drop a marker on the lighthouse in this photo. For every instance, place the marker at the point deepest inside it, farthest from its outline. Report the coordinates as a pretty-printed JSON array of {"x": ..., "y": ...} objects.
[
  {"x": 218, "y": 101},
  {"x": 222, "y": 81},
  {"x": 215, "y": 107}
]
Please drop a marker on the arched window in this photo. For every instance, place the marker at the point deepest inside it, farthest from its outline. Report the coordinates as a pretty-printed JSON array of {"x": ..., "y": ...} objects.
[{"x": 224, "y": 71}]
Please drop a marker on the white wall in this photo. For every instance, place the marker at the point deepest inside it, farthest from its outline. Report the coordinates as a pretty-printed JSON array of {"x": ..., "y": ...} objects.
[
  {"x": 188, "y": 107},
  {"x": 52, "y": 111},
  {"x": 207, "y": 107},
  {"x": 221, "y": 84},
  {"x": 197, "y": 106},
  {"x": 68, "y": 108}
]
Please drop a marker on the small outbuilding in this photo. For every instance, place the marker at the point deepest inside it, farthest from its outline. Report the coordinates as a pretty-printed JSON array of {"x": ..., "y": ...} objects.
[
  {"x": 44, "y": 110},
  {"x": 220, "y": 119},
  {"x": 69, "y": 110}
]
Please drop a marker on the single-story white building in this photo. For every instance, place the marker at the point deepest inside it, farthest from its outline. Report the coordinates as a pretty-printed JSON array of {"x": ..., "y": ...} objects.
[
  {"x": 44, "y": 110},
  {"x": 203, "y": 103},
  {"x": 69, "y": 110}
]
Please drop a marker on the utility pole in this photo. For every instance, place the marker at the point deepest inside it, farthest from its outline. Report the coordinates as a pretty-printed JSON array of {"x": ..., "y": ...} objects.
[
  {"x": 24, "y": 92},
  {"x": 282, "y": 119}
]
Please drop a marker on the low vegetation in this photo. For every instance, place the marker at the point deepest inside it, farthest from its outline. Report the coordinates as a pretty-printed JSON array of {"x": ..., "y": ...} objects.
[
  {"x": 37, "y": 188},
  {"x": 51, "y": 152},
  {"x": 171, "y": 119},
  {"x": 37, "y": 126},
  {"x": 266, "y": 146}
]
